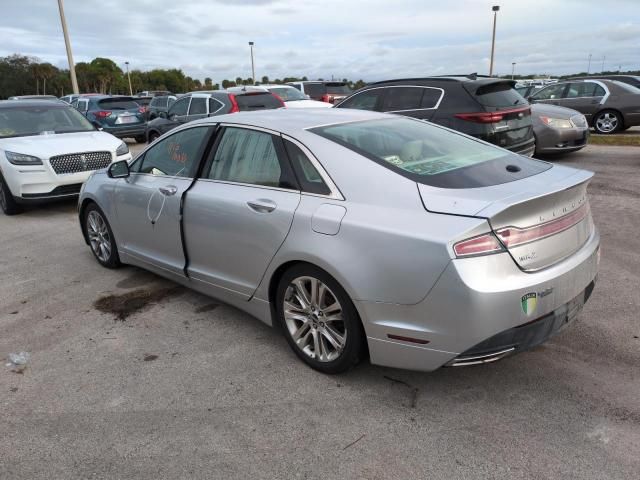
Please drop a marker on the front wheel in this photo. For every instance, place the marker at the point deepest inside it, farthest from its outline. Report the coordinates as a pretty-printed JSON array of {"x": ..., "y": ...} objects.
[
  {"x": 100, "y": 236},
  {"x": 607, "y": 122},
  {"x": 153, "y": 136},
  {"x": 7, "y": 202},
  {"x": 319, "y": 320},
  {"x": 141, "y": 139}
]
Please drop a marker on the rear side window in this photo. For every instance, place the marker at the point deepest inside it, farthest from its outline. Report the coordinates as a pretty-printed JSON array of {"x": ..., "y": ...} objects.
[
  {"x": 198, "y": 106},
  {"x": 363, "y": 101},
  {"x": 257, "y": 101},
  {"x": 296, "y": 86},
  {"x": 214, "y": 105},
  {"x": 402, "y": 98},
  {"x": 499, "y": 95},
  {"x": 430, "y": 97},
  {"x": 581, "y": 89},
  {"x": 308, "y": 177},
  {"x": 431, "y": 155},
  {"x": 117, "y": 104},
  {"x": 252, "y": 157}
]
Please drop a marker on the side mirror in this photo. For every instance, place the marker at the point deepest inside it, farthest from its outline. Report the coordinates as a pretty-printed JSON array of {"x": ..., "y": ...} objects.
[
  {"x": 119, "y": 169},
  {"x": 162, "y": 114},
  {"x": 530, "y": 99}
]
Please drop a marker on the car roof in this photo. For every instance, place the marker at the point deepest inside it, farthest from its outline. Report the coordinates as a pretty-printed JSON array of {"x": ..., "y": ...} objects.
[
  {"x": 473, "y": 78},
  {"x": 33, "y": 103},
  {"x": 293, "y": 121}
]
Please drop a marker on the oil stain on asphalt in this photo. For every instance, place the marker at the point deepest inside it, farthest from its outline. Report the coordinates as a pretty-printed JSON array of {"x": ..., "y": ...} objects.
[{"x": 126, "y": 304}]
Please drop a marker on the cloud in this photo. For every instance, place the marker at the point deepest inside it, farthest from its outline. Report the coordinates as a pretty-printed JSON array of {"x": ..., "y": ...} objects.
[{"x": 372, "y": 39}]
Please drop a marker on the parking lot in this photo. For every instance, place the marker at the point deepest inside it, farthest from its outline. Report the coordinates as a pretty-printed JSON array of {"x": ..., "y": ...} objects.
[{"x": 189, "y": 388}]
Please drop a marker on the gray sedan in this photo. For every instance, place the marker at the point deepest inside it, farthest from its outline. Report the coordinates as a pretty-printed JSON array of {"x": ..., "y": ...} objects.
[
  {"x": 356, "y": 233},
  {"x": 558, "y": 129}
]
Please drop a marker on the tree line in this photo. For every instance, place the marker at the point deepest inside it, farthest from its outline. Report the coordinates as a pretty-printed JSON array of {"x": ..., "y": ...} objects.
[{"x": 23, "y": 75}]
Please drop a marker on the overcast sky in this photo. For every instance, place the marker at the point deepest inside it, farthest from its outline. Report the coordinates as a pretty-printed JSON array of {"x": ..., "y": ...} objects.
[{"x": 368, "y": 39}]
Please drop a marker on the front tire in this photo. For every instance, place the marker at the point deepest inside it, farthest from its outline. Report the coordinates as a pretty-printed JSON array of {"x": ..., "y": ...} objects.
[
  {"x": 319, "y": 320},
  {"x": 7, "y": 201},
  {"x": 100, "y": 236},
  {"x": 607, "y": 122},
  {"x": 153, "y": 136},
  {"x": 141, "y": 139}
]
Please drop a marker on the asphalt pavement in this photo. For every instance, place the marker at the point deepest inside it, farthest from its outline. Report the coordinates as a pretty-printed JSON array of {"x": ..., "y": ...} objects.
[{"x": 188, "y": 388}]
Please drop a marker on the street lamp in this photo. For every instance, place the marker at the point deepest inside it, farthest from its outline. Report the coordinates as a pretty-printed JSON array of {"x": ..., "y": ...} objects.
[
  {"x": 495, "y": 10},
  {"x": 72, "y": 67},
  {"x": 253, "y": 68},
  {"x": 589, "y": 67},
  {"x": 602, "y": 70},
  {"x": 513, "y": 69},
  {"x": 129, "y": 77}
]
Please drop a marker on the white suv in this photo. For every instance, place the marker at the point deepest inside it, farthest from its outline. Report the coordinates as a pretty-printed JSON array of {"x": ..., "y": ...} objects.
[
  {"x": 47, "y": 150},
  {"x": 291, "y": 97}
]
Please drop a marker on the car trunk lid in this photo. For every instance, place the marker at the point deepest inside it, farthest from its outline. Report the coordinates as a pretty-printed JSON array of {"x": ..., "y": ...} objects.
[{"x": 540, "y": 219}]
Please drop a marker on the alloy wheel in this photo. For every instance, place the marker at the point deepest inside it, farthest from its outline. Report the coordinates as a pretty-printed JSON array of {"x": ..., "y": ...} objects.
[
  {"x": 314, "y": 318},
  {"x": 99, "y": 237},
  {"x": 607, "y": 122}
]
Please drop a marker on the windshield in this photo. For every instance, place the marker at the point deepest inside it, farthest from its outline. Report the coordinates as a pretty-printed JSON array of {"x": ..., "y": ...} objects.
[
  {"x": 38, "y": 120},
  {"x": 288, "y": 94},
  {"x": 431, "y": 155}
]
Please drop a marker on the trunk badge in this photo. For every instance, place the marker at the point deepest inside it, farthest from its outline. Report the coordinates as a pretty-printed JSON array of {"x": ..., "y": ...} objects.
[{"x": 529, "y": 303}]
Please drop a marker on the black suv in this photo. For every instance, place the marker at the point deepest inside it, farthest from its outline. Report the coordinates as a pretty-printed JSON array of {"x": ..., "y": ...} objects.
[
  {"x": 484, "y": 107},
  {"x": 160, "y": 104}
]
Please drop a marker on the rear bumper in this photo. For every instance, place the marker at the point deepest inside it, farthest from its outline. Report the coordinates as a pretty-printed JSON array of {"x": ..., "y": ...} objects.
[
  {"x": 127, "y": 131},
  {"x": 526, "y": 148},
  {"x": 524, "y": 337},
  {"x": 474, "y": 301}
]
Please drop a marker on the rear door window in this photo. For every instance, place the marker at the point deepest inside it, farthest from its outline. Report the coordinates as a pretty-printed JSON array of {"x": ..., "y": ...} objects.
[
  {"x": 581, "y": 89},
  {"x": 257, "y": 101},
  {"x": 402, "y": 98},
  {"x": 499, "y": 95},
  {"x": 198, "y": 106},
  {"x": 251, "y": 157}
]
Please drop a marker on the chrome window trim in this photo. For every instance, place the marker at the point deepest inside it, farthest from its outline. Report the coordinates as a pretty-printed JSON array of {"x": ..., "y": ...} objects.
[
  {"x": 437, "y": 105},
  {"x": 335, "y": 193},
  {"x": 252, "y": 185}
]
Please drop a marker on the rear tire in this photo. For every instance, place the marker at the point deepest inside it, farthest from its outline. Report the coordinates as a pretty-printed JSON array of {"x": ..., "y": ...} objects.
[
  {"x": 100, "y": 236},
  {"x": 607, "y": 122},
  {"x": 7, "y": 201},
  {"x": 319, "y": 320}
]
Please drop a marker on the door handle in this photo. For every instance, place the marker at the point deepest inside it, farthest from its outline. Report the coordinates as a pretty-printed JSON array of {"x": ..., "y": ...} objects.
[
  {"x": 168, "y": 191},
  {"x": 262, "y": 205}
]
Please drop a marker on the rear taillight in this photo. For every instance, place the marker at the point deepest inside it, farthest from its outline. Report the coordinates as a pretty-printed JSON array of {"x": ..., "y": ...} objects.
[
  {"x": 512, "y": 236},
  {"x": 280, "y": 100},
  {"x": 491, "y": 117},
  {"x": 480, "y": 245},
  {"x": 143, "y": 109},
  {"x": 327, "y": 98},
  {"x": 234, "y": 105},
  {"x": 102, "y": 113}
]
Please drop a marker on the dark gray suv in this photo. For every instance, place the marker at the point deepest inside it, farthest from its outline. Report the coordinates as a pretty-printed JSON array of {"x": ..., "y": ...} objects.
[
  {"x": 608, "y": 105},
  {"x": 483, "y": 107}
]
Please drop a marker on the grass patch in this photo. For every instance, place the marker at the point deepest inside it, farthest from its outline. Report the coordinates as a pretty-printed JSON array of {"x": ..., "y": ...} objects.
[{"x": 617, "y": 140}]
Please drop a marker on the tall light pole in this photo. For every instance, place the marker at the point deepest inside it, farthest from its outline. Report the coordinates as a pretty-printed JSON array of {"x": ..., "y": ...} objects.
[
  {"x": 513, "y": 69},
  {"x": 253, "y": 67},
  {"x": 72, "y": 67},
  {"x": 589, "y": 66},
  {"x": 129, "y": 77},
  {"x": 602, "y": 70},
  {"x": 495, "y": 10}
]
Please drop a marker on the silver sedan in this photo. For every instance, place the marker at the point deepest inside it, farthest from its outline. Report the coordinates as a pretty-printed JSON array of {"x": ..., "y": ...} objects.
[
  {"x": 357, "y": 233},
  {"x": 558, "y": 129}
]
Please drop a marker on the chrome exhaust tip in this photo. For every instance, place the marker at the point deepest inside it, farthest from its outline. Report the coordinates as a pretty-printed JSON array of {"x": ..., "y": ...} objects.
[{"x": 465, "y": 361}]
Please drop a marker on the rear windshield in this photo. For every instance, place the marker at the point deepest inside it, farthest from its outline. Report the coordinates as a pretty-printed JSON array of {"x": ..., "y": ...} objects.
[
  {"x": 257, "y": 101},
  {"x": 338, "y": 88},
  {"x": 41, "y": 120},
  {"x": 499, "y": 95},
  {"x": 143, "y": 101},
  {"x": 431, "y": 155},
  {"x": 117, "y": 104},
  {"x": 288, "y": 94}
]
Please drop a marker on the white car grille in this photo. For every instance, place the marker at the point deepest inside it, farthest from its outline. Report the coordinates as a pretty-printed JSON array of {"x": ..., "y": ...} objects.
[{"x": 80, "y": 162}]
